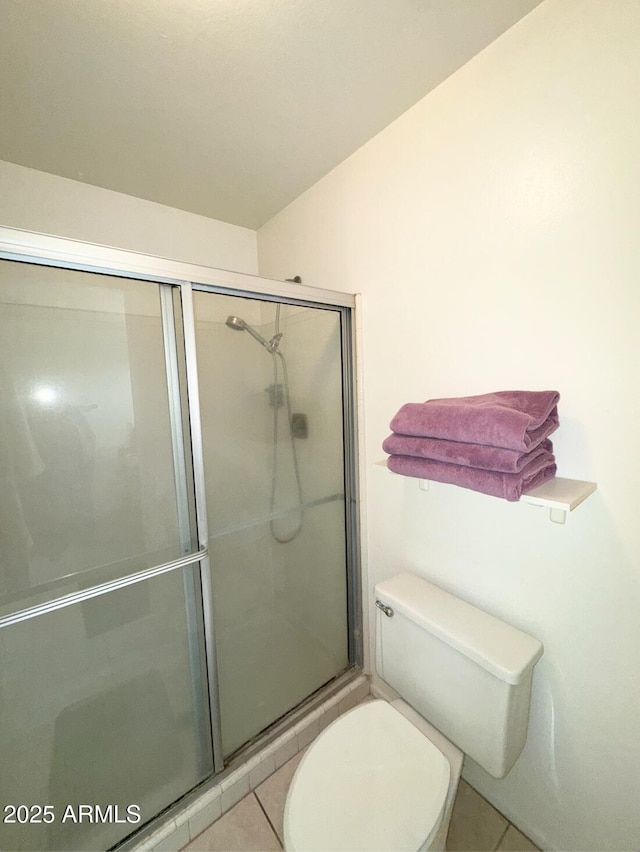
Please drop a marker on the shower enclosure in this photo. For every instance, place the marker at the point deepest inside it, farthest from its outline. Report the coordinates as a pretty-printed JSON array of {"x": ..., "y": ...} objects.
[{"x": 178, "y": 543}]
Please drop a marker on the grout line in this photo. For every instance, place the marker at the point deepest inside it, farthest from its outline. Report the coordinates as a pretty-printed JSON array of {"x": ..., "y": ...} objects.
[
  {"x": 501, "y": 838},
  {"x": 491, "y": 805},
  {"x": 273, "y": 828}
]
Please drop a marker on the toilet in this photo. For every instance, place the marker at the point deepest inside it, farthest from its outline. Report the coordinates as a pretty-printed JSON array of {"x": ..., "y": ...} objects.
[{"x": 384, "y": 775}]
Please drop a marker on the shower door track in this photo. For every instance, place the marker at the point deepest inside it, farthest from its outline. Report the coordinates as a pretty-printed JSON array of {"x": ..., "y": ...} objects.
[{"x": 31, "y": 247}]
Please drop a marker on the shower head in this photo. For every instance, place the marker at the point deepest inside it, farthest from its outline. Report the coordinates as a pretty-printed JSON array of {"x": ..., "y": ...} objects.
[{"x": 238, "y": 324}]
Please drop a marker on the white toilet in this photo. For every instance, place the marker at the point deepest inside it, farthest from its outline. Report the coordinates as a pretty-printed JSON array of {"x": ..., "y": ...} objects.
[{"x": 382, "y": 777}]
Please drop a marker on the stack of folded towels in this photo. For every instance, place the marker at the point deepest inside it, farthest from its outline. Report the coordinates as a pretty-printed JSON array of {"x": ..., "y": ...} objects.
[{"x": 496, "y": 443}]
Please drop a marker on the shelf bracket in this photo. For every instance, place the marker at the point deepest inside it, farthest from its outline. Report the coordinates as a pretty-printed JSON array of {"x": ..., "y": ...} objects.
[{"x": 558, "y": 495}]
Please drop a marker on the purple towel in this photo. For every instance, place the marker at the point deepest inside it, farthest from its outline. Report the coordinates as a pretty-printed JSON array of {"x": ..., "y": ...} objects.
[
  {"x": 469, "y": 455},
  {"x": 515, "y": 420},
  {"x": 510, "y": 486}
]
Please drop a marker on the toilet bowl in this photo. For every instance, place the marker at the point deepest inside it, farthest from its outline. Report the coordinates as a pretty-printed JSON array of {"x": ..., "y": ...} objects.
[{"x": 384, "y": 775}]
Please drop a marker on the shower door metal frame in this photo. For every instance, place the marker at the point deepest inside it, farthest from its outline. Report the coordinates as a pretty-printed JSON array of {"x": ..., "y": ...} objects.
[
  {"x": 39, "y": 249},
  {"x": 344, "y": 304}
]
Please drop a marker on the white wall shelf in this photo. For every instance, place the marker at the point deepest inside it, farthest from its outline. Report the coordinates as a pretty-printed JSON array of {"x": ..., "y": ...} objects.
[{"x": 558, "y": 495}]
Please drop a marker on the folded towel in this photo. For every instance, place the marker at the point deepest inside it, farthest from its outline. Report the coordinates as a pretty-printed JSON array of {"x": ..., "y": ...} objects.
[
  {"x": 515, "y": 420},
  {"x": 458, "y": 452},
  {"x": 509, "y": 486}
]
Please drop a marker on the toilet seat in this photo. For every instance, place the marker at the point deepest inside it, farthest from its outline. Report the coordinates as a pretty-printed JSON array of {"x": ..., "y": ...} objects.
[{"x": 371, "y": 781}]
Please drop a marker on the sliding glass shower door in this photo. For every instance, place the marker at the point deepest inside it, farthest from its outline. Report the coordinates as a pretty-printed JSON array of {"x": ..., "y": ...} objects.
[
  {"x": 103, "y": 694},
  {"x": 177, "y": 532},
  {"x": 272, "y": 428}
]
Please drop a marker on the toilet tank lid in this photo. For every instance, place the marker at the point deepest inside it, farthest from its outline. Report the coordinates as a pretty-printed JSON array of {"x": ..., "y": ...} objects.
[{"x": 504, "y": 651}]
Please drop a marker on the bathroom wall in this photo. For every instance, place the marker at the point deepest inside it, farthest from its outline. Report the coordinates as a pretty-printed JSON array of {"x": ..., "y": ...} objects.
[
  {"x": 492, "y": 231},
  {"x": 37, "y": 201}
]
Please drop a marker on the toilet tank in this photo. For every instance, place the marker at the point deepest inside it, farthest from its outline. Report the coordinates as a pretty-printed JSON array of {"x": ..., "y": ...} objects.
[{"x": 463, "y": 670}]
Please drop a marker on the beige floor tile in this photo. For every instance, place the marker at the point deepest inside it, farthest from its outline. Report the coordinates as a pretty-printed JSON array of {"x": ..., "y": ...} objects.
[
  {"x": 272, "y": 793},
  {"x": 515, "y": 841},
  {"x": 242, "y": 829},
  {"x": 475, "y": 826}
]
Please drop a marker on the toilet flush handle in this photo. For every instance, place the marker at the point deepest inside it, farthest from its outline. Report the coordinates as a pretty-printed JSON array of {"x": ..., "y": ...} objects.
[{"x": 386, "y": 609}]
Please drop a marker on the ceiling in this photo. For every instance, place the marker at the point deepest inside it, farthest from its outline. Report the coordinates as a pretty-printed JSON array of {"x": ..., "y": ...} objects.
[{"x": 227, "y": 108}]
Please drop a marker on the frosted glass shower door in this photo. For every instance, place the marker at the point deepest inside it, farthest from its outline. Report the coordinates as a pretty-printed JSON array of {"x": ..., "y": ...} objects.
[
  {"x": 103, "y": 689},
  {"x": 271, "y": 398}
]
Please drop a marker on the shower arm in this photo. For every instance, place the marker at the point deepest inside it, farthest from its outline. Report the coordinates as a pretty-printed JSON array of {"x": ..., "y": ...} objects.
[{"x": 270, "y": 345}]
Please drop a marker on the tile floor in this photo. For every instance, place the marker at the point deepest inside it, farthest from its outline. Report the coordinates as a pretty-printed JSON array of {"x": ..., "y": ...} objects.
[{"x": 255, "y": 824}]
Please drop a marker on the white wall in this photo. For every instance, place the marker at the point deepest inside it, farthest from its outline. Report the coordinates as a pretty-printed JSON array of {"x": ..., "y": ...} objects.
[
  {"x": 37, "y": 201},
  {"x": 493, "y": 232}
]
